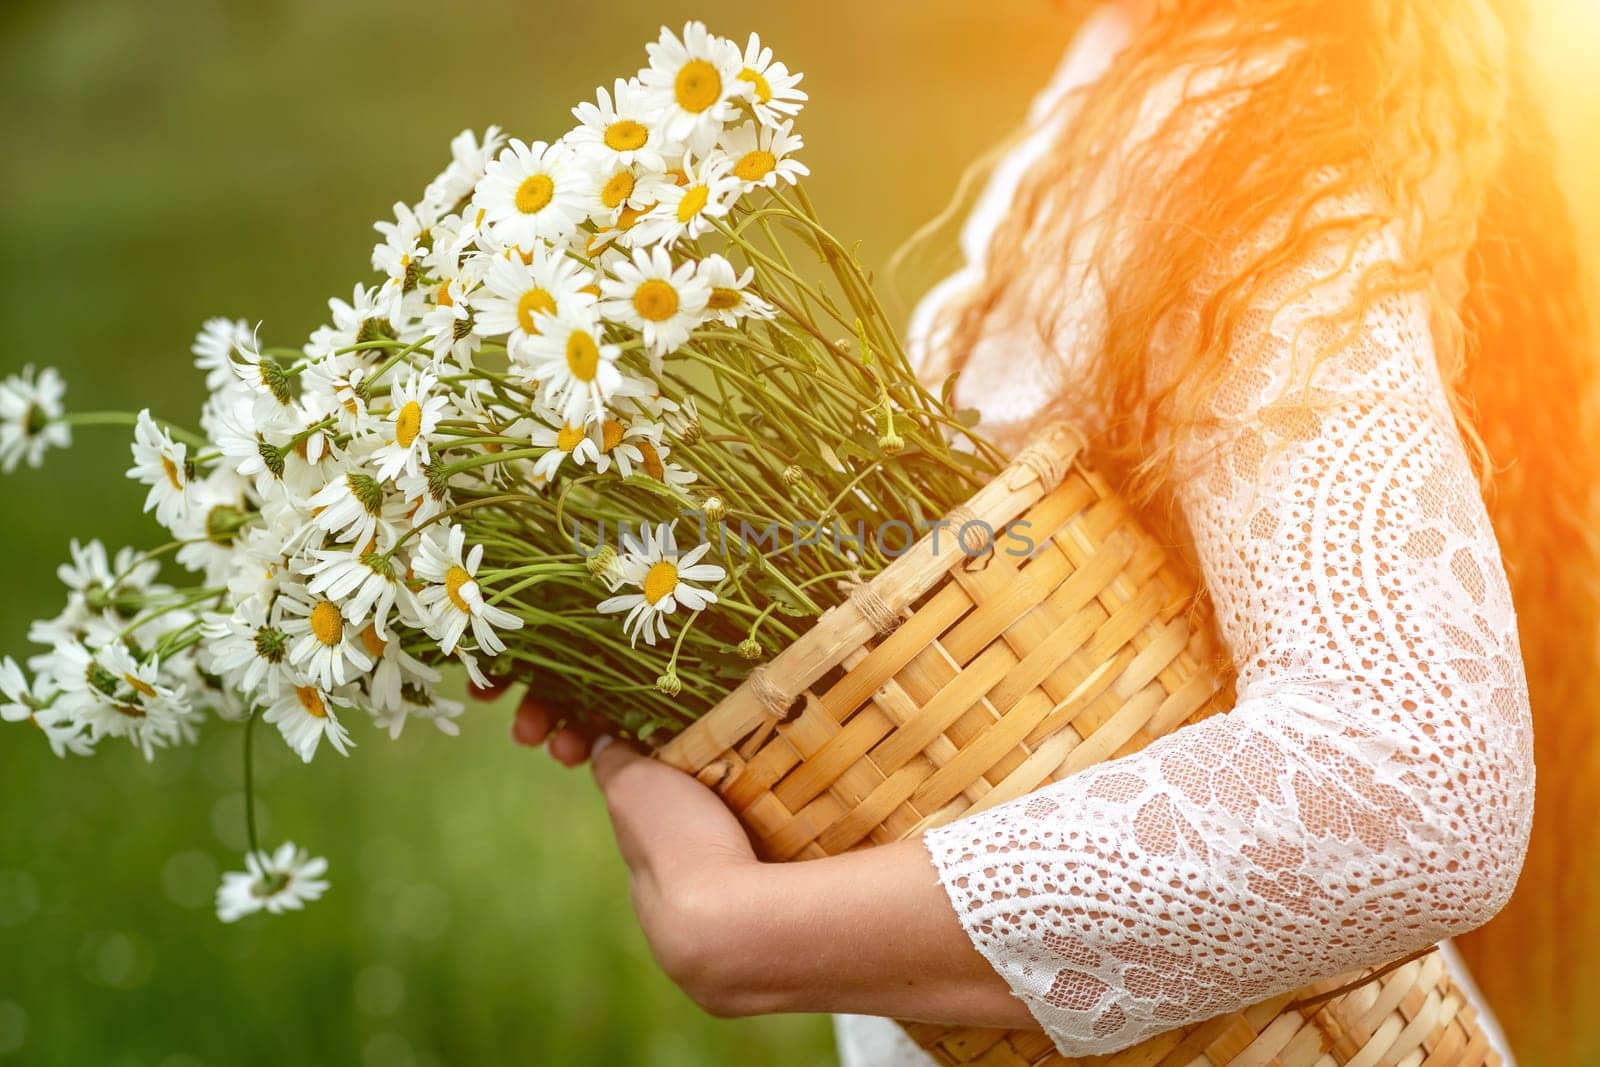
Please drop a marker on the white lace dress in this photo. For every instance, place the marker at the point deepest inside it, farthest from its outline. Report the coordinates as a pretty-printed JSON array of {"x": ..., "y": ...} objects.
[{"x": 1372, "y": 790}]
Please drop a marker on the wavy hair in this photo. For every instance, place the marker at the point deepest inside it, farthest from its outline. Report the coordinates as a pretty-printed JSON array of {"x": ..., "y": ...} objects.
[{"x": 1428, "y": 104}]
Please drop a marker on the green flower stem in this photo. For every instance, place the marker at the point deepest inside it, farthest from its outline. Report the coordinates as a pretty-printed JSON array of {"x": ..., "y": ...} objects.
[
  {"x": 250, "y": 784},
  {"x": 129, "y": 418}
]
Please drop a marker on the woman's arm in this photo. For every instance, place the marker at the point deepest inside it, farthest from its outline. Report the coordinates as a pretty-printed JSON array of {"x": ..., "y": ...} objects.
[
  {"x": 869, "y": 932},
  {"x": 1370, "y": 793},
  {"x": 1372, "y": 790}
]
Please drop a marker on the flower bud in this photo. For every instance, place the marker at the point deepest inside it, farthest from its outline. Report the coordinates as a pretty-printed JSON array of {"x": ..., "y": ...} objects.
[
  {"x": 891, "y": 443},
  {"x": 750, "y": 649},
  {"x": 793, "y": 475},
  {"x": 599, "y": 563},
  {"x": 715, "y": 510},
  {"x": 669, "y": 683}
]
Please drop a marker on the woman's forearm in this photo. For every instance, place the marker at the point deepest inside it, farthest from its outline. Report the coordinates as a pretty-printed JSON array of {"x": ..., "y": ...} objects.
[{"x": 869, "y": 932}]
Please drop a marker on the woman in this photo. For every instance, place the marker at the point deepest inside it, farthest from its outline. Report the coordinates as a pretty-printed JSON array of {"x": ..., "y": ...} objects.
[{"x": 1299, "y": 267}]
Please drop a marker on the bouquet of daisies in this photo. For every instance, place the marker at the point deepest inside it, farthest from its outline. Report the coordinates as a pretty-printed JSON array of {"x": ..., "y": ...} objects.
[{"x": 618, "y": 412}]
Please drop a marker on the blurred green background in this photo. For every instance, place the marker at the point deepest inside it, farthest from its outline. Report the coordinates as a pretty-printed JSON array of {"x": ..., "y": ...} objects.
[{"x": 169, "y": 161}]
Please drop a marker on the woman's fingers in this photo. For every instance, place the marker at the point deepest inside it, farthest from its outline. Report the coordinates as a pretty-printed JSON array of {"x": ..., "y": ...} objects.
[
  {"x": 569, "y": 747},
  {"x": 533, "y": 722},
  {"x": 537, "y": 723}
]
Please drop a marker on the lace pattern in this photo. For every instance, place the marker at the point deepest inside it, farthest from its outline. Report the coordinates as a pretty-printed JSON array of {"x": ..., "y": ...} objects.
[{"x": 1370, "y": 793}]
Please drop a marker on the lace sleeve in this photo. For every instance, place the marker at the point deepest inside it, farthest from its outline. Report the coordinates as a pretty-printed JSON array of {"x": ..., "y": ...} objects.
[{"x": 1371, "y": 791}]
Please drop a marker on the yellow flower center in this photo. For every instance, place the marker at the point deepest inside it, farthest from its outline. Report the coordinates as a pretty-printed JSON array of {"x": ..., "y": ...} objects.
[
  {"x": 693, "y": 202},
  {"x": 327, "y": 623},
  {"x": 407, "y": 423},
  {"x": 656, "y": 300},
  {"x": 722, "y": 299},
  {"x": 611, "y": 432},
  {"x": 140, "y": 684},
  {"x": 755, "y": 78},
  {"x": 630, "y": 216},
  {"x": 652, "y": 461},
  {"x": 583, "y": 355},
  {"x": 660, "y": 580},
  {"x": 698, "y": 86},
  {"x": 442, "y": 297},
  {"x": 618, "y": 189},
  {"x": 625, "y": 135},
  {"x": 535, "y": 301},
  {"x": 753, "y": 166},
  {"x": 569, "y": 437},
  {"x": 173, "y": 475},
  {"x": 373, "y": 643},
  {"x": 535, "y": 193},
  {"x": 311, "y": 700},
  {"x": 456, "y": 579}
]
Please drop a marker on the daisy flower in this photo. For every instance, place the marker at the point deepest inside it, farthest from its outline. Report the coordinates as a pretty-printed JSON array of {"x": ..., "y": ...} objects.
[
  {"x": 219, "y": 509},
  {"x": 284, "y": 881},
  {"x": 321, "y": 642},
  {"x": 161, "y": 463},
  {"x": 304, "y": 715},
  {"x": 396, "y": 669},
  {"x": 664, "y": 303},
  {"x": 364, "y": 320},
  {"x": 654, "y": 462},
  {"x": 772, "y": 89},
  {"x": 616, "y": 190},
  {"x": 269, "y": 383},
  {"x": 439, "y": 711},
  {"x": 426, "y": 493},
  {"x": 682, "y": 420},
  {"x": 560, "y": 443},
  {"x": 215, "y": 346},
  {"x": 692, "y": 82},
  {"x": 111, "y": 694},
  {"x": 708, "y": 190},
  {"x": 613, "y": 442},
  {"x": 21, "y": 701},
  {"x": 532, "y": 193},
  {"x": 452, "y": 600},
  {"x": 368, "y": 585},
  {"x": 260, "y": 565},
  {"x": 97, "y": 588},
  {"x": 577, "y": 369},
  {"x": 245, "y": 649},
  {"x": 450, "y": 323},
  {"x": 29, "y": 408},
  {"x": 406, "y": 242},
  {"x": 469, "y": 158},
  {"x": 350, "y": 507},
  {"x": 415, "y": 413},
  {"x": 621, "y": 128},
  {"x": 517, "y": 293},
  {"x": 663, "y": 578},
  {"x": 730, "y": 297},
  {"x": 763, "y": 156},
  {"x": 315, "y": 416},
  {"x": 244, "y": 442}
]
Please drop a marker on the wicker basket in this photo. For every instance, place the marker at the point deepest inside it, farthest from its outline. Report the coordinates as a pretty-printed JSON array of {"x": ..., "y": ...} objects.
[{"x": 957, "y": 680}]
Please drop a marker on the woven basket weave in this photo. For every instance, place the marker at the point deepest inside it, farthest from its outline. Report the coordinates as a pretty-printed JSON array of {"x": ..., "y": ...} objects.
[{"x": 963, "y": 676}]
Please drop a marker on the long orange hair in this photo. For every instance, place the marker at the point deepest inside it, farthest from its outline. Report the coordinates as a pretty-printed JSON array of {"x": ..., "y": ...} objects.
[{"x": 1428, "y": 104}]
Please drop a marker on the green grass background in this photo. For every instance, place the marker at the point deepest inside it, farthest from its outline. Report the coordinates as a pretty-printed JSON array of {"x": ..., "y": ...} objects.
[{"x": 167, "y": 161}]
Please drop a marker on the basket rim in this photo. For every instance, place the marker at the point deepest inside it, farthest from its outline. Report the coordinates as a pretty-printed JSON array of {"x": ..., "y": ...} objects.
[{"x": 770, "y": 690}]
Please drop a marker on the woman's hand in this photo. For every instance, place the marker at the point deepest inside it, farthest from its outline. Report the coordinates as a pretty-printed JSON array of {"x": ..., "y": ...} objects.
[{"x": 869, "y": 932}]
